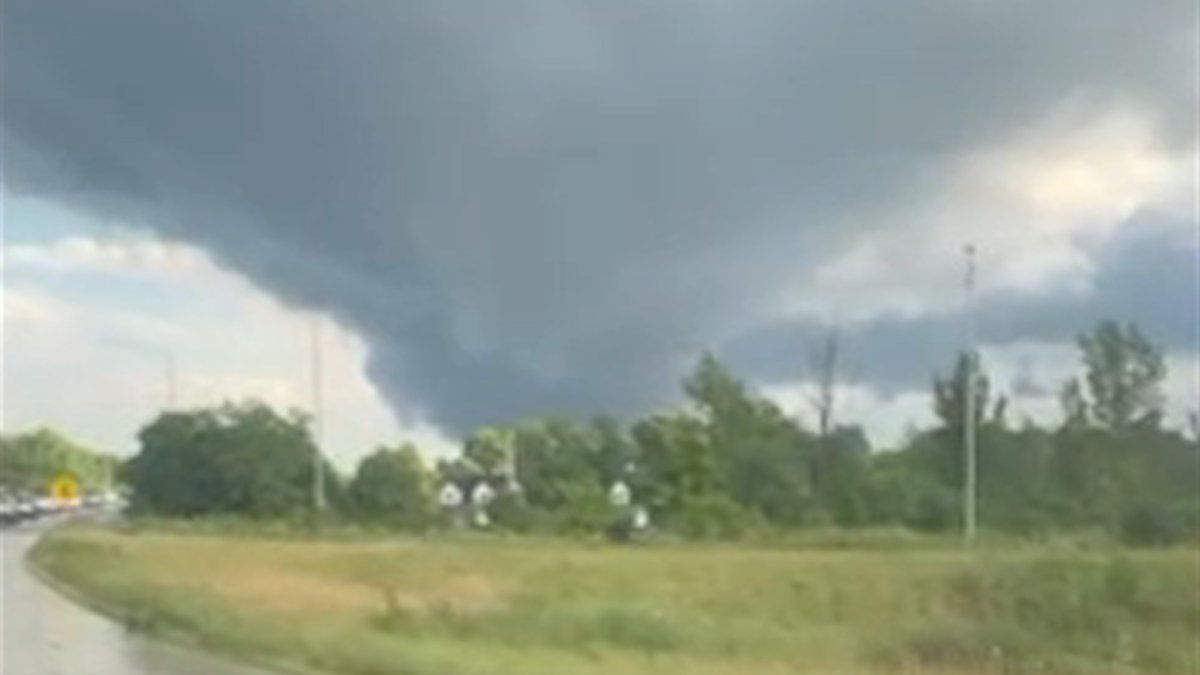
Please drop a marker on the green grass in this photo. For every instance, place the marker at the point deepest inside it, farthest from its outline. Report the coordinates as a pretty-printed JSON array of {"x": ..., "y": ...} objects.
[{"x": 826, "y": 603}]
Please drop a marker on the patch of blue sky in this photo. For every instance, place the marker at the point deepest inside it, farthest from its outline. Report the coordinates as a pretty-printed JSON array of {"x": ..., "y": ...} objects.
[
  {"x": 130, "y": 293},
  {"x": 35, "y": 220}
]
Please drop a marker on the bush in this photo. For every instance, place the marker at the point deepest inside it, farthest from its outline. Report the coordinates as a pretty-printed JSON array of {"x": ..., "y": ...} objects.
[
  {"x": 708, "y": 517},
  {"x": 934, "y": 509},
  {"x": 1061, "y": 613},
  {"x": 230, "y": 460},
  {"x": 585, "y": 510},
  {"x": 392, "y": 488},
  {"x": 510, "y": 511},
  {"x": 1152, "y": 525}
]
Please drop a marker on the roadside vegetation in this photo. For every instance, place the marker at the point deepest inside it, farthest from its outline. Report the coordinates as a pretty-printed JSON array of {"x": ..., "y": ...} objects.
[
  {"x": 30, "y": 461},
  {"x": 470, "y": 603}
]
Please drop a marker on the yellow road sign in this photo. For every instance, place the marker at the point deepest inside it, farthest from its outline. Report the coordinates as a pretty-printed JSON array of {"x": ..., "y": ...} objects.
[{"x": 64, "y": 488}]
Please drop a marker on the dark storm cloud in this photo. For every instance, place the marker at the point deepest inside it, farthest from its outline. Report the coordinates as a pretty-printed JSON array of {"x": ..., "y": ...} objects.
[
  {"x": 1147, "y": 276},
  {"x": 525, "y": 205}
]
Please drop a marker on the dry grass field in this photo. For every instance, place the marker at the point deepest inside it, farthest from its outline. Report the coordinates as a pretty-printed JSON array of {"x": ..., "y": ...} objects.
[{"x": 464, "y": 604}]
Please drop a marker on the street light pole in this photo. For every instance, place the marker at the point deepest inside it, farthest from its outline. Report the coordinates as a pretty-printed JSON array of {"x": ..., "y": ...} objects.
[
  {"x": 169, "y": 373},
  {"x": 969, "y": 446},
  {"x": 318, "y": 486}
]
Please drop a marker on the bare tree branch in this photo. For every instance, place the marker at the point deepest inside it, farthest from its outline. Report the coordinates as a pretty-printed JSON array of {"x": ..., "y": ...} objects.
[{"x": 825, "y": 367}]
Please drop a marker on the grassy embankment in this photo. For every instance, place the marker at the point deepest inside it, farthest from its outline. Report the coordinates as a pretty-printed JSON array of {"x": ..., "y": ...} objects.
[{"x": 490, "y": 605}]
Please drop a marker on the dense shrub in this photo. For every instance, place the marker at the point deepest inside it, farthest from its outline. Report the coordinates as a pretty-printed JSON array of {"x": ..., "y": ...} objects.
[{"x": 1151, "y": 524}]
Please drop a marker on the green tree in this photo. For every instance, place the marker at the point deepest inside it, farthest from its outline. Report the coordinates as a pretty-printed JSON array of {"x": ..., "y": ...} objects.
[
  {"x": 685, "y": 486},
  {"x": 557, "y": 459},
  {"x": 950, "y": 393},
  {"x": 551, "y": 472},
  {"x": 939, "y": 451},
  {"x": 561, "y": 469},
  {"x": 1074, "y": 405},
  {"x": 1124, "y": 375},
  {"x": 491, "y": 450},
  {"x": 30, "y": 461},
  {"x": 460, "y": 471},
  {"x": 1015, "y": 493},
  {"x": 840, "y": 461},
  {"x": 918, "y": 485},
  {"x": 718, "y": 395},
  {"x": 761, "y": 456},
  {"x": 392, "y": 487},
  {"x": 242, "y": 459},
  {"x": 616, "y": 454}
]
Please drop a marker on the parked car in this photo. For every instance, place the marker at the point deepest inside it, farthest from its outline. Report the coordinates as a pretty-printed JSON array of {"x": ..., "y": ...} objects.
[
  {"x": 8, "y": 510},
  {"x": 26, "y": 508},
  {"x": 46, "y": 505}
]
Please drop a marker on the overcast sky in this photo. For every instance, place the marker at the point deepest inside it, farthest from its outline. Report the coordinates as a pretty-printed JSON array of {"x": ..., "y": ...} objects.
[{"x": 501, "y": 209}]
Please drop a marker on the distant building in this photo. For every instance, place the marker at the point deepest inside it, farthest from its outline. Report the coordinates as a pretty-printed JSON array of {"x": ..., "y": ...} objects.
[
  {"x": 641, "y": 519},
  {"x": 483, "y": 494},
  {"x": 450, "y": 496},
  {"x": 619, "y": 494}
]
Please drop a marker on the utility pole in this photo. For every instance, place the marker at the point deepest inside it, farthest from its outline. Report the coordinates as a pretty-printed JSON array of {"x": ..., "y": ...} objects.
[
  {"x": 969, "y": 448},
  {"x": 169, "y": 372},
  {"x": 825, "y": 368},
  {"x": 318, "y": 486},
  {"x": 825, "y": 362}
]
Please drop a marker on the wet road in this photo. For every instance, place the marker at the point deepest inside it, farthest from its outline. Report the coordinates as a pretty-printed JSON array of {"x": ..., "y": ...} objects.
[{"x": 45, "y": 634}]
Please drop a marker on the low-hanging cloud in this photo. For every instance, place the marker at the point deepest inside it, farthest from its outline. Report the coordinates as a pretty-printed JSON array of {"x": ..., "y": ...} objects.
[
  {"x": 537, "y": 205},
  {"x": 1145, "y": 275}
]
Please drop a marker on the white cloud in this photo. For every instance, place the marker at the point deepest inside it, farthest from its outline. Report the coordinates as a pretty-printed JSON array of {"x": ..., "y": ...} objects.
[
  {"x": 887, "y": 419},
  {"x": 1035, "y": 208},
  {"x": 1182, "y": 388},
  {"x": 30, "y": 307},
  {"x": 80, "y": 253},
  {"x": 1028, "y": 373},
  {"x": 93, "y": 358},
  {"x": 1031, "y": 374},
  {"x": 1089, "y": 178}
]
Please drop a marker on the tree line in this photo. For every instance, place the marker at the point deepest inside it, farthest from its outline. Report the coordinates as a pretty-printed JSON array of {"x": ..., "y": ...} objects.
[
  {"x": 728, "y": 461},
  {"x": 30, "y": 461}
]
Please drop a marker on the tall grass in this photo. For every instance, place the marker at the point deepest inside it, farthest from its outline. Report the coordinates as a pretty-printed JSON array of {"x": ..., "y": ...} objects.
[
  {"x": 1062, "y": 614},
  {"x": 886, "y": 603}
]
